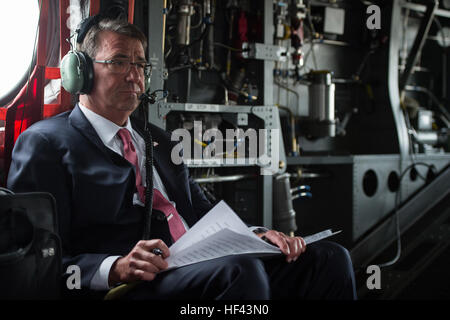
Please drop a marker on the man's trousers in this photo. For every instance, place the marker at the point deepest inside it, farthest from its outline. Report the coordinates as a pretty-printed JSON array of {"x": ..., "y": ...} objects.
[{"x": 323, "y": 271}]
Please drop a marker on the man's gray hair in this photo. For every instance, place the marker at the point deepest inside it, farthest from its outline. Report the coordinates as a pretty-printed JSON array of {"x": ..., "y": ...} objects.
[{"x": 120, "y": 26}]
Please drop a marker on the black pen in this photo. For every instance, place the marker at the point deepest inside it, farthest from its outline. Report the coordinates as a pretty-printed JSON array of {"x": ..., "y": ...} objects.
[{"x": 157, "y": 251}]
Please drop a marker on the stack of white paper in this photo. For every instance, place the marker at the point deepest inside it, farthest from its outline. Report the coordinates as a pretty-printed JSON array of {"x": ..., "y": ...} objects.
[{"x": 220, "y": 233}]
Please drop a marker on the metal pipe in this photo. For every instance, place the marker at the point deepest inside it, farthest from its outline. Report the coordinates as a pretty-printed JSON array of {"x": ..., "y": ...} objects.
[
  {"x": 216, "y": 179},
  {"x": 210, "y": 36},
  {"x": 344, "y": 80},
  {"x": 302, "y": 195},
  {"x": 300, "y": 188},
  {"x": 425, "y": 137},
  {"x": 310, "y": 175},
  {"x": 321, "y": 103},
  {"x": 294, "y": 145},
  {"x": 184, "y": 22}
]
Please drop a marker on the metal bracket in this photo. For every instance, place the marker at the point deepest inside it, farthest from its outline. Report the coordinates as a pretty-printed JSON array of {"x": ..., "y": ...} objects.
[
  {"x": 418, "y": 42},
  {"x": 261, "y": 51}
]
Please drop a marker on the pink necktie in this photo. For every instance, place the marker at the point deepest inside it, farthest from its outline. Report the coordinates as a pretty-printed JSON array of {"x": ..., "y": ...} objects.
[
  {"x": 129, "y": 153},
  {"x": 160, "y": 203},
  {"x": 176, "y": 226}
]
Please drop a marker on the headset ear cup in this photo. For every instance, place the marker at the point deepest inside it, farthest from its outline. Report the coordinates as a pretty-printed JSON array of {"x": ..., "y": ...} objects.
[
  {"x": 88, "y": 73},
  {"x": 72, "y": 77}
]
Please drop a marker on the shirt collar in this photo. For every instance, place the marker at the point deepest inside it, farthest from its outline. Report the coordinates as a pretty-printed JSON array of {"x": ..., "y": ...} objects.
[{"x": 106, "y": 129}]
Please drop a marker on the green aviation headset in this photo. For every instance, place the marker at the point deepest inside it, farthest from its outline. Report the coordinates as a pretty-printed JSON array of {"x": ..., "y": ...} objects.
[{"x": 77, "y": 70}]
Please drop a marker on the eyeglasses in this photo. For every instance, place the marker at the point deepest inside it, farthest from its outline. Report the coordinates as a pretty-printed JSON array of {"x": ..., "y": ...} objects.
[{"x": 124, "y": 66}]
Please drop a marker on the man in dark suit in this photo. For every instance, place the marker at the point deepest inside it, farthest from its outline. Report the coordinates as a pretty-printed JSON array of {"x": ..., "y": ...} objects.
[{"x": 83, "y": 159}]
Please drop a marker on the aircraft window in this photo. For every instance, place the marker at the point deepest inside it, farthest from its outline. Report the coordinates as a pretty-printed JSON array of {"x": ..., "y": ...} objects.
[{"x": 18, "y": 30}]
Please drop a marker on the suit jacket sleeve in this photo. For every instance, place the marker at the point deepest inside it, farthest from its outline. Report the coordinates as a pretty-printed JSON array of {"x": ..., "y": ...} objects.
[
  {"x": 200, "y": 203},
  {"x": 38, "y": 165}
]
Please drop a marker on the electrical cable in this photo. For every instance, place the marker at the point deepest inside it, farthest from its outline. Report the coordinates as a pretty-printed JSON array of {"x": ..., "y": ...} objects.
[
  {"x": 200, "y": 11},
  {"x": 218, "y": 44},
  {"x": 202, "y": 36},
  {"x": 397, "y": 222},
  {"x": 145, "y": 100},
  {"x": 181, "y": 49}
]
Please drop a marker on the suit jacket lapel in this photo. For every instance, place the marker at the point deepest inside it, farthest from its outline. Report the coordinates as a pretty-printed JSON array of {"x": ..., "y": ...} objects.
[
  {"x": 173, "y": 176},
  {"x": 78, "y": 120}
]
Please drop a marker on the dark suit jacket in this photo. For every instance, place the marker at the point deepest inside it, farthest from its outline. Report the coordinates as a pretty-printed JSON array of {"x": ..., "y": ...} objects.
[{"x": 94, "y": 186}]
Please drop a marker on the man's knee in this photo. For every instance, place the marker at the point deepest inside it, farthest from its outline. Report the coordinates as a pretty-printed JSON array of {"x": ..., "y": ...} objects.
[
  {"x": 247, "y": 275},
  {"x": 339, "y": 256},
  {"x": 336, "y": 263},
  {"x": 332, "y": 254},
  {"x": 246, "y": 269}
]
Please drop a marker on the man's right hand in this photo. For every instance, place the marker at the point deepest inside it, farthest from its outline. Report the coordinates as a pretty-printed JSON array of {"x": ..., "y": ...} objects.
[{"x": 140, "y": 263}]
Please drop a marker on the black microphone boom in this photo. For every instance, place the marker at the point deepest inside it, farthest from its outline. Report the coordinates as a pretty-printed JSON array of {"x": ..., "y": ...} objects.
[{"x": 148, "y": 98}]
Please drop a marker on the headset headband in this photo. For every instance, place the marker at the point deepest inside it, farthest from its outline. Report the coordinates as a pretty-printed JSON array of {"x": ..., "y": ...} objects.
[{"x": 86, "y": 25}]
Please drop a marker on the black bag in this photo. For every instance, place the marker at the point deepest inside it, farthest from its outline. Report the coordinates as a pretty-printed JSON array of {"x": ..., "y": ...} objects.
[{"x": 30, "y": 249}]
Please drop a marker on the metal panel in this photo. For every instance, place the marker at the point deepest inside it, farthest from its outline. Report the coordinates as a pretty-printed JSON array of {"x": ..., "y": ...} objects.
[
  {"x": 339, "y": 199},
  {"x": 267, "y": 113},
  {"x": 368, "y": 209},
  {"x": 261, "y": 51},
  {"x": 380, "y": 238}
]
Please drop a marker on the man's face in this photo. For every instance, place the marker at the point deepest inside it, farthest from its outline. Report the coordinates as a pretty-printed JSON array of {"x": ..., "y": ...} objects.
[{"x": 115, "y": 96}]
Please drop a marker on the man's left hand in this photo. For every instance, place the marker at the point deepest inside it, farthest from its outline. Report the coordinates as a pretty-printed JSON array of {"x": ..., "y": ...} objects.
[{"x": 292, "y": 247}]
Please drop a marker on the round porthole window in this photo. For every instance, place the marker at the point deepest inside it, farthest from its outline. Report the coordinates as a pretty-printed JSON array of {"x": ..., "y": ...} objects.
[
  {"x": 18, "y": 31},
  {"x": 393, "y": 181},
  {"x": 370, "y": 183}
]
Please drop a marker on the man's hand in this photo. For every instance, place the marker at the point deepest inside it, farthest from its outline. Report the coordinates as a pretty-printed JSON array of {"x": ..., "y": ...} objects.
[
  {"x": 292, "y": 247},
  {"x": 140, "y": 263}
]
